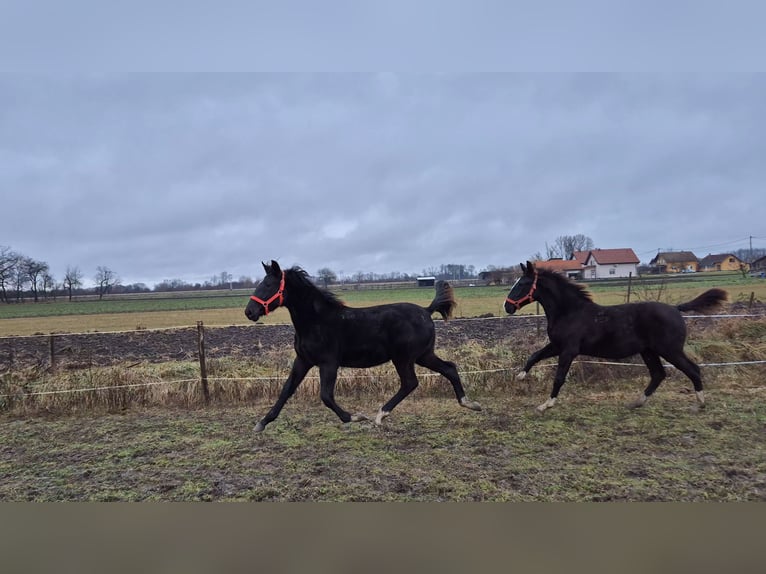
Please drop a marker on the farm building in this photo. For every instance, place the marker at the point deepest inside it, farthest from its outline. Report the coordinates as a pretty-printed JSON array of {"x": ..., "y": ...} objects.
[
  {"x": 610, "y": 263},
  {"x": 595, "y": 264},
  {"x": 721, "y": 262},
  {"x": 759, "y": 264},
  {"x": 426, "y": 281},
  {"x": 675, "y": 262}
]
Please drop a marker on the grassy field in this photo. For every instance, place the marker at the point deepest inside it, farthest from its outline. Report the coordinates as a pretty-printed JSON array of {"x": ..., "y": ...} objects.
[
  {"x": 157, "y": 442},
  {"x": 590, "y": 448},
  {"x": 227, "y": 308}
]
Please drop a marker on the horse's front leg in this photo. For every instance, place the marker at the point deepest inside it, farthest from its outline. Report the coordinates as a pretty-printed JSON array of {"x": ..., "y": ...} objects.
[
  {"x": 297, "y": 374},
  {"x": 565, "y": 361},
  {"x": 328, "y": 376},
  {"x": 550, "y": 350}
]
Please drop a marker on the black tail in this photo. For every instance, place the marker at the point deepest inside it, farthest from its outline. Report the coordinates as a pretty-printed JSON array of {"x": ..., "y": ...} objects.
[
  {"x": 444, "y": 301},
  {"x": 708, "y": 301}
]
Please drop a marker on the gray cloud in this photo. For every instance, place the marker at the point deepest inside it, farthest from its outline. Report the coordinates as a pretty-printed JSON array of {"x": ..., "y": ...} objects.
[{"x": 183, "y": 176}]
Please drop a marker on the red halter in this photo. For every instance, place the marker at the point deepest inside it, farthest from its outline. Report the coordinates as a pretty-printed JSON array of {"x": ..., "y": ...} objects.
[
  {"x": 278, "y": 294},
  {"x": 529, "y": 297}
]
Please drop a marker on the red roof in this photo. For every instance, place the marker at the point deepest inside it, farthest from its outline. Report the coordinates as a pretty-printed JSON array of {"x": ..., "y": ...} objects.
[
  {"x": 581, "y": 256},
  {"x": 613, "y": 256}
]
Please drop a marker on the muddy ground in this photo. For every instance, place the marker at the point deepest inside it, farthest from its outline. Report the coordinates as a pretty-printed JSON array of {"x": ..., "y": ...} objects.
[{"x": 100, "y": 349}]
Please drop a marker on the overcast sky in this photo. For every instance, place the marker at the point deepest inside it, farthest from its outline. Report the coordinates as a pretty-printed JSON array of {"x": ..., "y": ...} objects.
[{"x": 164, "y": 176}]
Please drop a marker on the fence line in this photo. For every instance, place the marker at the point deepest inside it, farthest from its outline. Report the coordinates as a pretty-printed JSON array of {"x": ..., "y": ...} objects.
[
  {"x": 190, "y": 327},
  {"x": 341, "y": 376}
]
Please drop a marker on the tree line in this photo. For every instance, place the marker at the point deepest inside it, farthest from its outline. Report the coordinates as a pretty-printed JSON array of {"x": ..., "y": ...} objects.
[{"x": 23, "y": 277}]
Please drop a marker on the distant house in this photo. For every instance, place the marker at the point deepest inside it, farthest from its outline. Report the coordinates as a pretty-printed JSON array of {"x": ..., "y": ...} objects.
[
  {"x": 675, "y": 262},
  {"x": 610, "y": 263},
  {"x": 595, "y": 264},
  {"x": 426, "y": 281},
  {"x": 759, "y": 264},
  {"x": 721, "y": 262},
  {"x": 568, "y": 267}
]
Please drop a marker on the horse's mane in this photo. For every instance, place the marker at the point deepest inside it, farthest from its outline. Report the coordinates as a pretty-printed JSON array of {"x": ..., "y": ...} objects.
[
  {"x": 299, "y": 278},
  {"x": 564, "y": 283}
]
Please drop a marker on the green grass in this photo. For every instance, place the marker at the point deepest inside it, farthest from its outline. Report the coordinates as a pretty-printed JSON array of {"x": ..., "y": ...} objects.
[
  {"x": 160, "y": 443},
  {"x": 226, "y": 308},
  {"x": 585, "y": 449}
]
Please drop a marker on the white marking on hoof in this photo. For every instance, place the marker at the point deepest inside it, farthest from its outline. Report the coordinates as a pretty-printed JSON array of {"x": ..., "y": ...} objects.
[
  {"x": 358, "y": 417},
  {"x": 381, "y": 415},
  {"x": 701, "y": 399},
  {"x": 259, "y": 427},
  {"x": 546, "y": 405},
  {"x": 521, "y": 376},
  {"x": 639, "y": 402},
  {"x": 473, "y": 405}
]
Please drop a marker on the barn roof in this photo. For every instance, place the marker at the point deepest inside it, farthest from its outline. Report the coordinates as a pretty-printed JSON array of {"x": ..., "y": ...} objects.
[
  {"x": 675, "y": 256},
  {"x": 717, "y": 258}
]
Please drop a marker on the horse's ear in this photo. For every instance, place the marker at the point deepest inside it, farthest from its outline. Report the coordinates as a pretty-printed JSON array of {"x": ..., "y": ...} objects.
[
  {"x": 523, "y": 269},
  {"x": 530, "y": 268},
  {"x": 266, "y": 267},
  {"x": 275, "y": 268}
]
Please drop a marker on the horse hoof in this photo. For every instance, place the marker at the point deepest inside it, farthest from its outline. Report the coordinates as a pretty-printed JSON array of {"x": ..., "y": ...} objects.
[
  {"x": 546, "y": 405},
  {"x": 638, "y": 403},
  {"x": 472, "y": 405},
  {"x": 521, "y": 376},
  {"x": 380, "y": 417},
  {"x": 358, "y": 417},
  {"x": 260, "y": 427}
]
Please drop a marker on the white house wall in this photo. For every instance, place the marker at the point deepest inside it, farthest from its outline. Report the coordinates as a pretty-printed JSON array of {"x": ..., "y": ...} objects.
[{"x": 603, "y": 271}]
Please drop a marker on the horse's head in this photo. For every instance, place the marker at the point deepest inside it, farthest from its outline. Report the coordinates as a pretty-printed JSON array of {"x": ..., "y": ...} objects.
[
  {"x": 523, "y": 291},
  {"x": 269, "y": 294}
]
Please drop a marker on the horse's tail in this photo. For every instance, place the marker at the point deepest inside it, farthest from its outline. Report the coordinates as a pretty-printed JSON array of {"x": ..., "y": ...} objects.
[
  {"x": 708, "y": 301},
  {"x": 444, "y": 301}
]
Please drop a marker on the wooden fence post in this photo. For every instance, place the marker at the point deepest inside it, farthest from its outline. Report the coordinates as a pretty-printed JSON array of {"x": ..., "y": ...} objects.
[
  {"x": 202, "y": 366},
  {"x": 52, "y": 353},
  {"x": 630, "y": 280},
  {"x": 752, "y": 300}
]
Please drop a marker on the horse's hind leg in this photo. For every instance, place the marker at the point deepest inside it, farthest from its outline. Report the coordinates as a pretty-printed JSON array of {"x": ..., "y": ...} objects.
[
  {"x": 409, "y": 382},
  {"x": 448, "y": 370},
  {"x": 657, "y": 373},
  {"x": 691, "y": 370}
]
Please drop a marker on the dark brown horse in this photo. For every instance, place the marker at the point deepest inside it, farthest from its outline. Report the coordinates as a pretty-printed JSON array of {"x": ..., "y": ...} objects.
[
  {"x": 578, "y": 326},
  {"x": 330, "y": 335}
]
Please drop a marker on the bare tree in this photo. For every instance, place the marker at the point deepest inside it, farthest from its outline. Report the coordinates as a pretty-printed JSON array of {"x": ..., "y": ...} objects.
[
  {"x": 565, "y": 245},
  {"x": 9, "y": 261},
  {"x": 49, "y": 284},
  {"x": 327, "y": 276},
  {"x": 105, "y": 279},
  {"x": 34, "y": 272},
  {"x": 72, "y": 279}
]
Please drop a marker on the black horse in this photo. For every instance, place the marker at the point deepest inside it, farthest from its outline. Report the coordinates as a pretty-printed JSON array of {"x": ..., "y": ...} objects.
[
  {"x": 577, "y": 325},
  {"x": 330, "y": 335}
]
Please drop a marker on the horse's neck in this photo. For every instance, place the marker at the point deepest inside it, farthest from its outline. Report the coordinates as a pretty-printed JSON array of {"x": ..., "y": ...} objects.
[
  {"x": 305, "y": 309},
  {"x": 558, "y": 302}
]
